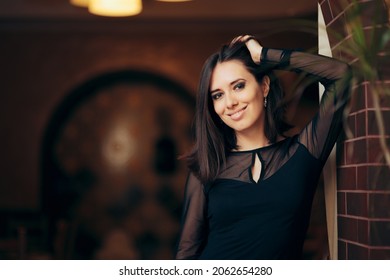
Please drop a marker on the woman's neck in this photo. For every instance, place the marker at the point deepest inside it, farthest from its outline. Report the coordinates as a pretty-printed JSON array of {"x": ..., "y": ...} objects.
[{"x": 251, "y": 141}]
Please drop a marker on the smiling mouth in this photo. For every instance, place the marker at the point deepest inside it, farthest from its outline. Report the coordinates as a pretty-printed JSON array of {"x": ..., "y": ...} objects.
[{"x": 237, "y": 115}]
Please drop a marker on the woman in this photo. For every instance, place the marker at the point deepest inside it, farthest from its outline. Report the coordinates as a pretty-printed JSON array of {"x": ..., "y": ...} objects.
[{"x": 250, "y": 189}]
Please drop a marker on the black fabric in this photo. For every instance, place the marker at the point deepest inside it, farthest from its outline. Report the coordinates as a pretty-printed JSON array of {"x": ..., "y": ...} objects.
[{"x": 236, "y": 217}]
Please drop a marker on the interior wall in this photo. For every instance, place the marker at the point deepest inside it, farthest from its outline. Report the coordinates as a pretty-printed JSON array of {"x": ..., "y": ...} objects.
[{"x": 43, "y": 61}]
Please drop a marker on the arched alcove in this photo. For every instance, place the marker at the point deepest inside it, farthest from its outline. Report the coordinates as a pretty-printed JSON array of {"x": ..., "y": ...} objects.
[{"x": 111, "y": 181}]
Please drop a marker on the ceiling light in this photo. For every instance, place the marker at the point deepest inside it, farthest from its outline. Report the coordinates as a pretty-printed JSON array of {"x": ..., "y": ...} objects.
[
  {"x": 80, "y": 3},
  {"x": 115, "y": 8}
]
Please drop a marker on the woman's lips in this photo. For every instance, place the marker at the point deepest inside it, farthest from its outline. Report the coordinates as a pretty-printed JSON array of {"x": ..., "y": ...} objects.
[{"x": 237, "y": 115}]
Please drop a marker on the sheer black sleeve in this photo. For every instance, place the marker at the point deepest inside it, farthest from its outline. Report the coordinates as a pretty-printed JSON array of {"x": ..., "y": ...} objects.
[
  {"x": 321, "y": 133},
  {"x": 193, "y": 233}
]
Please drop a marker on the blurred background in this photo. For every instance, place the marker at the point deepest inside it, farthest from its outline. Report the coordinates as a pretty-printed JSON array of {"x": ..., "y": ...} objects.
[{"x": 95, "y": 111}]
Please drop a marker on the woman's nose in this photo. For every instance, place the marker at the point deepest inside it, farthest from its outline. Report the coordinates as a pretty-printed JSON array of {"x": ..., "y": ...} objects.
[{"x": 230, "y": 100}]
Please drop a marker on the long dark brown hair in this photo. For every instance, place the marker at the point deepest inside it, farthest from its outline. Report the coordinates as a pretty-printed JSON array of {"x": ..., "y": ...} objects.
[{"x": 213, "y": 138}]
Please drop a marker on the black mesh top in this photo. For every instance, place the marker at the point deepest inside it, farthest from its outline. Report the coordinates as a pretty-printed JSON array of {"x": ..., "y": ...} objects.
[{"x": 236, "y": 217}]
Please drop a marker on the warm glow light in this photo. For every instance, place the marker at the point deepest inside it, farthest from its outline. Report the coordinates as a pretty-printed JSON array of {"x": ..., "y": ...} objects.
[
  {"x": 119, "y": 146},
  {"x": 80, "y": 3},
  {"x": 115, "y": 8}
]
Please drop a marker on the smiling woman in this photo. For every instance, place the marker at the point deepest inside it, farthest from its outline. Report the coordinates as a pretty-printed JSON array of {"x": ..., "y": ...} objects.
[
  {"x": 238, "y": 100},
  {"x": 251, "y": 187}
]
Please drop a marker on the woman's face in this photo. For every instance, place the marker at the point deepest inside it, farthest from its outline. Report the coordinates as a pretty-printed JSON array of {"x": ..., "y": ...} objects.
[{"x": 237, "y": 97}]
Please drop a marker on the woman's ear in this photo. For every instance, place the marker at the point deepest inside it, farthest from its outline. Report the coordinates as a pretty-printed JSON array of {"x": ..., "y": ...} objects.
[{"x": 265, "y": 84}]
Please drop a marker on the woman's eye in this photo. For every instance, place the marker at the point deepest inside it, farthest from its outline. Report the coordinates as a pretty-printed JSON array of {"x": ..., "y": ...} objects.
[
  {"x": 239, "y": 86},
  {"x": 216, "y": 96}
]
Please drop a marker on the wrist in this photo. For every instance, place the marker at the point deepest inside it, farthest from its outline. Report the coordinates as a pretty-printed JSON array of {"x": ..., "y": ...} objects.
[{"x": 263, "y": 54}]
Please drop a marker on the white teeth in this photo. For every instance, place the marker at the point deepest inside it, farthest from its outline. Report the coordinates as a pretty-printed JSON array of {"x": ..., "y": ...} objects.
[{"x": 236, "y": 113}]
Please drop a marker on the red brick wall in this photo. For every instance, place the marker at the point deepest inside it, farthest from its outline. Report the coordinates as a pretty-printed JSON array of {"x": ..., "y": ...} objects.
[{"x": 362, "y": 175}]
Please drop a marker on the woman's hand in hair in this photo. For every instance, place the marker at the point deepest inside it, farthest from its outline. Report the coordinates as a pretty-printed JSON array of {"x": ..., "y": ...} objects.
[{"x": 253, "y": 46}]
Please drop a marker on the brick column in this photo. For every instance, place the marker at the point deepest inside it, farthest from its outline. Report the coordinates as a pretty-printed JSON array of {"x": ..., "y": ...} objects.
[{"x": 363, "y": 177}]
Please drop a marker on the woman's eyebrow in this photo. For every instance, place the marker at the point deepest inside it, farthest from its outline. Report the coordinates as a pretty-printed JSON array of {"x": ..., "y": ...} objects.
[
  {"x": 215, "y": 90},
  {"x": 231, "y": 83}
]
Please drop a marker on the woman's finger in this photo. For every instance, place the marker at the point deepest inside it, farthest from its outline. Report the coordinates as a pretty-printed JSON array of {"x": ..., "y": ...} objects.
[{"x": 238, "y": 38}]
